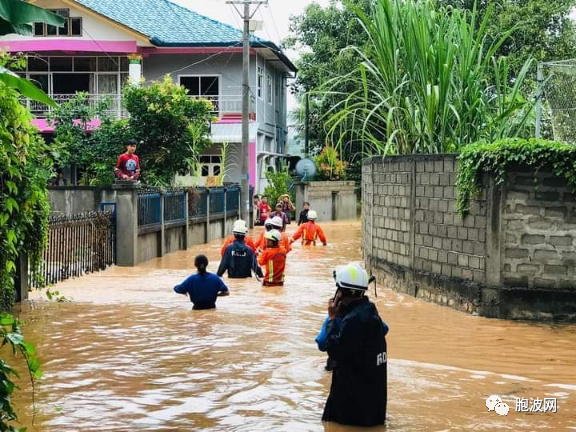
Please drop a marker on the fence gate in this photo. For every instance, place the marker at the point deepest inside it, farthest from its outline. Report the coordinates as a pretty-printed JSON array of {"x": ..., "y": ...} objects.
[
  {"x": 556, "y": 107},
  {"x": 77, "y": 244}
]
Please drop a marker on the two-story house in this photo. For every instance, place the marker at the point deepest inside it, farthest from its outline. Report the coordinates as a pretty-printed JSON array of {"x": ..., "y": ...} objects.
[{"x": 106, "y": 42}]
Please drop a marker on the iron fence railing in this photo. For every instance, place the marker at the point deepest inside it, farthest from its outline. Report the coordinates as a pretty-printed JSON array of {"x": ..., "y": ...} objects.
[
  {"x": 201, "y": 202},
  {"x": 149, "y": 206},
  {"x": 197, "y": 203},
  {"x": 232, "y": 199},
  {"x": 216, "y": 198},
  {"x": 77, "y": 244},
  {"x": 175, "y": 206}
]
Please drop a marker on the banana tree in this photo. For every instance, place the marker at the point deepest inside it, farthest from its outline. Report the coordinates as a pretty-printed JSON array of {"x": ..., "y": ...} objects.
[{"x": 17, "y": 16}]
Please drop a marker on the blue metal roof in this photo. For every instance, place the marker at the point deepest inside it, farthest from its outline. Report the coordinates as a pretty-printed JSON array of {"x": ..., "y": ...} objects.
[{"x": 170, "y": 25}]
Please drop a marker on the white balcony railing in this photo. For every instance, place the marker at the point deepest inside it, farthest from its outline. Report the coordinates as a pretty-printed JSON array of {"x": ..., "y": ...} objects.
[{"x": 223, "y": 105}]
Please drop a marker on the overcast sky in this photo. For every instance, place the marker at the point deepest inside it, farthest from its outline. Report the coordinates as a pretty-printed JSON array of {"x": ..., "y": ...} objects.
[{"x": 275, "y": 17}]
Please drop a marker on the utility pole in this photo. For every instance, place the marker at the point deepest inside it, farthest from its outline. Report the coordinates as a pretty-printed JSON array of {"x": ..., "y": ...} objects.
[
  {"x": 306, "y": 125},
  {"x": 244, "y": 154}
]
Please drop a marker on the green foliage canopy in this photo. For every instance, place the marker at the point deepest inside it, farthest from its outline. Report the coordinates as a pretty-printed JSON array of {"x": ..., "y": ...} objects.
[
  {"x": 173, "y": 127},
  {"x": 278, "y": 184},
  {"x": 24, "y": 208},
  {"x": 77, "y": 142},
  {"x": 321, "y": 35},
  {"x": 543, "y": 29},
  {"x": 428, "y": 83}
]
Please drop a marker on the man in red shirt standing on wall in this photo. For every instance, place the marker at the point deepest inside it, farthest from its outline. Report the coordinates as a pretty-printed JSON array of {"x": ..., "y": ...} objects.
[{"x": 128, "y": 165}]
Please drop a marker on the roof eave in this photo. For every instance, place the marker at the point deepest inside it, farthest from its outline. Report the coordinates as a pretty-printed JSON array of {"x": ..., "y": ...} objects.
[{"x": 253, "y": 44}]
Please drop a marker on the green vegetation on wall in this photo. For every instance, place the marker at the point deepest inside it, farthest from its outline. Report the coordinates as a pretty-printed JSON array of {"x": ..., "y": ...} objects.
[{"x": 496, "y": 158}]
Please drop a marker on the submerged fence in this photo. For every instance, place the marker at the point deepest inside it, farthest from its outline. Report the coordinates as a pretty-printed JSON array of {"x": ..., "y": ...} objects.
[
  {"x": 156, "y": 206},
  {"x": 77, "y": 244}
]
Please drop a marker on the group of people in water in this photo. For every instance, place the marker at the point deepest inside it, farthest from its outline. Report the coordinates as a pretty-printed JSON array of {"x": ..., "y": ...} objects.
[{"x": 353, "y": 334}]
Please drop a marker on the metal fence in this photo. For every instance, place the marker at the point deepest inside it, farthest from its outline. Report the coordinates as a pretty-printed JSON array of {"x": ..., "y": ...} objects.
[
  {"x": 217, "y": 200},
  {"x": 201, "y": 202},
  {"x": 174, "y": 206},
  {"x": 149, "y": 206},
  {"x": 232, "y": 199},
  {"x": 556, "y": 108},
  {"x": 77, "y": 244},
  {"x": 197, "y": 203}
]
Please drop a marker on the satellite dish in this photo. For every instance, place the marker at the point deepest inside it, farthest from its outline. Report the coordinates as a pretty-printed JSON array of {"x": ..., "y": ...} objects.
[{"x": 306, "y": 169}]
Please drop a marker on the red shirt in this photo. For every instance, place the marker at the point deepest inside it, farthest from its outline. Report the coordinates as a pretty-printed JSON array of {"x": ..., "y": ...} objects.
[
  {"x": 128, "y": 165},
  {"x": 264, "y": 211},
  {"x": 274, "y": 262}
]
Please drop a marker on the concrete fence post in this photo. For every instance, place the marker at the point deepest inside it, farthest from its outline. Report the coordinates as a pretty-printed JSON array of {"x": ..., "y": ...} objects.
[
  {"x": 187, "y": 222},
  {"x": 224, "y": 230},
  {"x": 21, "y": 279},
  {"x": 126, "y": 222},
  {"x": 162, "y": 232},
  {"x": 207, "y": 236}
]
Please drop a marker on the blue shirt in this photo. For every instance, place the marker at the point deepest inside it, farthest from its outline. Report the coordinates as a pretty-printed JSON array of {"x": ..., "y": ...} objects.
[{"x": 202, "y": 289}]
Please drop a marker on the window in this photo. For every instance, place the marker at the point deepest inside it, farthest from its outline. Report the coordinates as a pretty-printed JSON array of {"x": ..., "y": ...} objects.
[
  {"x": 210, "y": 165},
  {"x": 269, "y": 88},
  {"x": 72, "y": 26},
  {"x": 260, "y": 81},
  {"x": 201, "y": 85}
]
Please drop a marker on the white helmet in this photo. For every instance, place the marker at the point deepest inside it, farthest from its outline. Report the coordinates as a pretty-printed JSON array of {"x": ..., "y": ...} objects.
[
  {"x": 240, "y": 227},
  {"x": 273, "y": 235},
  {"x": 312, "y": 215},
  {"x": 351, "y": 276},
  {"x": 276, "y": 221}
]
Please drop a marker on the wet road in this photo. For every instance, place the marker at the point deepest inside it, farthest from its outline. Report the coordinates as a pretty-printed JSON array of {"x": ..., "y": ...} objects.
[{"x": 128, "y": 354}]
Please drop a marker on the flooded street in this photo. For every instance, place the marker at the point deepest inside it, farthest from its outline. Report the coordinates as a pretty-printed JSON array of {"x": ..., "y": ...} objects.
[{"x": 128, "y": 354}]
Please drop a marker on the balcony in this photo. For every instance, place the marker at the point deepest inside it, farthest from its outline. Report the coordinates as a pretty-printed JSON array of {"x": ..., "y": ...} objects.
[{"x": 225, "y": 107}]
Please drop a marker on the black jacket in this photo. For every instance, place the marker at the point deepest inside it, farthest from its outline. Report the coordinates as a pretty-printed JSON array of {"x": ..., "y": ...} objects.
[
  {"x": 358, "y": 393},
  {"x": 303, "y": 217},
  {"x": 239, "y": 260}
]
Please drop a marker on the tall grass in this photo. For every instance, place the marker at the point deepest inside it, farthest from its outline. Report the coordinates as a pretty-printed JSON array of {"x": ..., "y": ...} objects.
[{"x": 428, "y": 82}]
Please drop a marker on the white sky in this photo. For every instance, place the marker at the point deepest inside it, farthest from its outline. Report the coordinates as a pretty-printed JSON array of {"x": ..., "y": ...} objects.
[
  {"x": 276, "y": 18},
  {"x": 275, "y": 15}
]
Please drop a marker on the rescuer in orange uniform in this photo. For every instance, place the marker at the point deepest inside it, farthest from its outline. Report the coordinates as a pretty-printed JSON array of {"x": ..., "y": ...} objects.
[
  {"x": 310, "y": 232},
  {"x": 274, "y": 223},
  {"x": 273, "y": 259},
  {"x": 239, "y": 226}
]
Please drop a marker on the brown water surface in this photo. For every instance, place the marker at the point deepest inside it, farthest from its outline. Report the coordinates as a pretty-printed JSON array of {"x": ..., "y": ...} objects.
[{"x": 128, "y": 354}]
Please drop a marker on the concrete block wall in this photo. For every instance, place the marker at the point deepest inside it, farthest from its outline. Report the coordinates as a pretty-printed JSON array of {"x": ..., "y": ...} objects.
[
  {"x": 539, "y": 222},
  {"x": 332, "y": 200},
  {"x": 446, "y": 244},
  {"x": 78, "y": 199},
  {"x": 512, "y": 256}
]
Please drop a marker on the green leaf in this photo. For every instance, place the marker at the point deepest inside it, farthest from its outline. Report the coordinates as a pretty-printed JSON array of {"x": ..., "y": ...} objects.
[
  {"x": 16, "y": 16},
  {"x": 26, "y": 88}
]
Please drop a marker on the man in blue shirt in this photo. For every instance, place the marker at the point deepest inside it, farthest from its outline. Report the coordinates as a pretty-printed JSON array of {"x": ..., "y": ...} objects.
[
  {"x": 202, "y": 287},
  {"x": 239, "y": 259}
]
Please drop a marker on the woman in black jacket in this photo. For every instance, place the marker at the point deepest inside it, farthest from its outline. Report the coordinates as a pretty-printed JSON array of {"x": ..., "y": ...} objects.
[{"x": 356, "y": 342}]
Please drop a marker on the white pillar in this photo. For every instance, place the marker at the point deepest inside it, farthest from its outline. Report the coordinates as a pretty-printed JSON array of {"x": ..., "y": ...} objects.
[{"x": 135, "y": 68}]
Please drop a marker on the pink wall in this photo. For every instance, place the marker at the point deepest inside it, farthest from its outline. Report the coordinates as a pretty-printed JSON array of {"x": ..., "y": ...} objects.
[{"x": 43, "y": 125}]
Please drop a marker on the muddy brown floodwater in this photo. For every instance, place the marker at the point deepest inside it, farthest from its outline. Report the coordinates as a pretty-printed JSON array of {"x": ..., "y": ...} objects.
[{"x": 128, "y": 354}]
